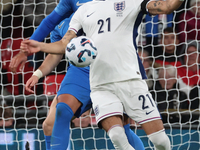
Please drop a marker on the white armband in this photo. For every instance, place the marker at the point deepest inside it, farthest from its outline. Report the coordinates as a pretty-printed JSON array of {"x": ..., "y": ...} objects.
[{"x": 38, "y": 73}]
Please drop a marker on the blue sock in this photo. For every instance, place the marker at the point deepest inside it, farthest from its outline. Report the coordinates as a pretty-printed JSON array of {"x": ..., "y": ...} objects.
[
  {"x": 133, "y": 139},
  {"x": 48, "y": 142},
  {"x": 61, "y": 130}
]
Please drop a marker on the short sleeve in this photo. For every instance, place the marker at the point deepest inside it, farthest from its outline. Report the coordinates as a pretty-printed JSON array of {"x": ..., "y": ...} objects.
[
  {"x": 75, "y": 23},
  {"x": 144, "y": 6}
]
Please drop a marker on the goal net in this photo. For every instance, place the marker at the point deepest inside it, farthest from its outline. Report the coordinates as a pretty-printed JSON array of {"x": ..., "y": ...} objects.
[{"x": 168, "y": 46}]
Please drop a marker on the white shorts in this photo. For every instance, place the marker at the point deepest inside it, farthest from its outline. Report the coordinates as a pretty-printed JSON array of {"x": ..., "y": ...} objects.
[{"x": 131, "y": 97}]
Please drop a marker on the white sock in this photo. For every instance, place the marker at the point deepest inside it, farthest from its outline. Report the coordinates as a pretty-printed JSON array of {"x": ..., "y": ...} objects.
[
  {"x": 160, "y": 140},
  {"x": 118, "y": 138}
]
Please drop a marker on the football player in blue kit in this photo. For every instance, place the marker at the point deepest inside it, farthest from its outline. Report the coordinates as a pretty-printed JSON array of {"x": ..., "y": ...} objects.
[{"x": 75, "y": 86}]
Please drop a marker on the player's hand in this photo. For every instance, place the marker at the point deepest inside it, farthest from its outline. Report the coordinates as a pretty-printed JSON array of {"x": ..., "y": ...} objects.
[
  {"x": 30, "y": 83},
  {"x": 19, "y": 59},
  {"x": 30, "y": 46}
]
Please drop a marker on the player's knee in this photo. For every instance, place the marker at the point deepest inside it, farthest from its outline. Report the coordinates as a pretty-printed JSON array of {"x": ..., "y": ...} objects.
[
  {"x": 63, "y": 111},
  {"x": 160, "y": 140}
]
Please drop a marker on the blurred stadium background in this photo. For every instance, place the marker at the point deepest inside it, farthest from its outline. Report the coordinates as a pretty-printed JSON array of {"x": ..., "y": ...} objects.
[{"x": 22, "y": 114}]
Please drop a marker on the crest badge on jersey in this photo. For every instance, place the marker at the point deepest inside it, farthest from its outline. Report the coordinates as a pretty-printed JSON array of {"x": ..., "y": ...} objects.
[
  {"x": 96, "y": 110},
  {"x": 119, "y": 7}
]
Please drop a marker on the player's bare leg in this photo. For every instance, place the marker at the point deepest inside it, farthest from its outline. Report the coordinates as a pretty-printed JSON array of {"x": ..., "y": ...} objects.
[
  {"x": 152, "y": 126},
  {"x": 114, "y": 127},
  {"x": 155, "y": 132},
  {"x": 49, "y": 121}
]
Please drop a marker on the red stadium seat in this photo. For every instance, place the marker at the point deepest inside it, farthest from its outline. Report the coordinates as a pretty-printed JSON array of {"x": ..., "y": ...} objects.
[
  {"x": 9, "y": 48},
  {"x": 52, "y": 83}
]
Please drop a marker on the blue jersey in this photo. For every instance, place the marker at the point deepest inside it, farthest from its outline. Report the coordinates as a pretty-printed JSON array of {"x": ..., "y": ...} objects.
[
  {"x": 76, "y": 81},
  {"x": 64, "y": 9},
  {"x": 60, "y": 31},
  {"x": 67, "y": 7}
]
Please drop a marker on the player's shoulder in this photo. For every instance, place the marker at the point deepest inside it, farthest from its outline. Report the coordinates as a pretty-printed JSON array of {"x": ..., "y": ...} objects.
[
  {"x": 86, "y": 3},
  {"x": 85, "y": 6},
  {"x": 79, "y": 3}
]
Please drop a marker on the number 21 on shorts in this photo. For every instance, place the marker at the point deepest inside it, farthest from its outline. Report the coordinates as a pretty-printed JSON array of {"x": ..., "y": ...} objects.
[{"x": 147, "y": 103}]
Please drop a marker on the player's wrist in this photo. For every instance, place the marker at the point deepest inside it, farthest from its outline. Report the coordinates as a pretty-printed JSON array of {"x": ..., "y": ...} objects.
[
  {"x": 24, "y": 53},
  {"x": 38, "y": 73}
]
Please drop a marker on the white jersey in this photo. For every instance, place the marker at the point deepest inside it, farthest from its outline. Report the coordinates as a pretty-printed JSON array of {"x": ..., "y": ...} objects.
[{"x": 113, "y": 26}]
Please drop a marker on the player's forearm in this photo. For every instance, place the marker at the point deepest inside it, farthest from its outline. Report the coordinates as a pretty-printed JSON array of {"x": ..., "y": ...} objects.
[
  {"x": 173, "y": 5},
  {"x": 53, "y": 48},
  {"x": 163, "y": 7},
  {"x": 50, "y": 62},
  {"x": 59, "y": 46}
]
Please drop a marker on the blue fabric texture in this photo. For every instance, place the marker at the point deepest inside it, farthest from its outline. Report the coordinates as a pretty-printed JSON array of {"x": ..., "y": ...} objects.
[
  {"x": 47, "y": 142},
  {"x": 61, "y": 130},
  {"x": 151, "y": 26},
  {"x": 133, "y": 139},
  {"x": 46, "y": 26}
]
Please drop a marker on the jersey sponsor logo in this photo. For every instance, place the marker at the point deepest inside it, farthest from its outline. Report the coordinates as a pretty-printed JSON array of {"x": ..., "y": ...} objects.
[
  {"x": 120, "y": 6},
  {"x": 59, "y": 26},
  {"x": 90, "y": 14},
  {"x": 147, "y": 113},
  {"x": 79, "y": 4}
]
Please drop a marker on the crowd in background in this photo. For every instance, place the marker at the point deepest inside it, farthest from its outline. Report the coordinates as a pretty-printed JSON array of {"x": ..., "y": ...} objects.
[{"x": 170, "y": 53}]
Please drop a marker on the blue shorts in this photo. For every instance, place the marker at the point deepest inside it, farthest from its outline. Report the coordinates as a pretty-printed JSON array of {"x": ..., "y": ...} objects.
[{"x": 76, "y": 83}]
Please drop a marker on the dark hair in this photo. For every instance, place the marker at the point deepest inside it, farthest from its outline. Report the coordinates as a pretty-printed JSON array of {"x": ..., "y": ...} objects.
[
  {"x": 169, "y": 30},
  {"x": 5, "y": 111}
]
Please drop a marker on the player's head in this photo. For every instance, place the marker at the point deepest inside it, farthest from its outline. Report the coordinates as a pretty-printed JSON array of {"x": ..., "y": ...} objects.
[
  {"x": 169, "y": 40},
  {"x": 6, "y": 116},
  {"x": 144, "y": 56},
  {"x": 192, "y": 53},
  {"x": 167, "y": 77},
  {"x": 83, "y": 121}
]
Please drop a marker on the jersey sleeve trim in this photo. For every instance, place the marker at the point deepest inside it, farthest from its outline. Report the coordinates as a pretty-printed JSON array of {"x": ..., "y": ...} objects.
[
  {"x": 144, "y": 6},
  {"x": 73, "y": 30}
]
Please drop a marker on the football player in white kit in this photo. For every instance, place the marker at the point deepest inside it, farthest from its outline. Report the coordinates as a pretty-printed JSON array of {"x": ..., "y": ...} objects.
[{"x": 116, "y": 76}]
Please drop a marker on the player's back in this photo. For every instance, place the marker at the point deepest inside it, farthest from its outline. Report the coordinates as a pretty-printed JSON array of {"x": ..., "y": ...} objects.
[{"x": 113, "y": 26}]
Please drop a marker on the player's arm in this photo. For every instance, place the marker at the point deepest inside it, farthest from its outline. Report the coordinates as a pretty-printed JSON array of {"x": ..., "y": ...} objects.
[
  {"x": 46, "y": 26},
  {"x": 50, "y": 62},
  {"x": 32, "y": 46},
  {"x": 163, "y": 7},
  {"x": 61, "y": 11}
]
